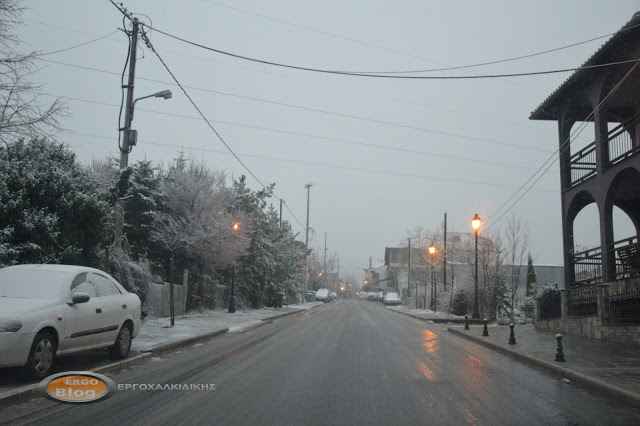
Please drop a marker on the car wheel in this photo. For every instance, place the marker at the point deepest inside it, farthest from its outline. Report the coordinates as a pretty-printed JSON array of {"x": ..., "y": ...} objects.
[
  {"x": 120, "y": 349},
  {"x": 41, "y": 355}
]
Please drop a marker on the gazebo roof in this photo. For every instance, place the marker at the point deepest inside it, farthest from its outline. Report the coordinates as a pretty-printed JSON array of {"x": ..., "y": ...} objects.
[{"x": 617, "y": 49}]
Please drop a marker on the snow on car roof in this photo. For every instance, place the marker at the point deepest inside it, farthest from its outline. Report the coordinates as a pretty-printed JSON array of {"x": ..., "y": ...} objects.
[{"x": 57, "y": 268}]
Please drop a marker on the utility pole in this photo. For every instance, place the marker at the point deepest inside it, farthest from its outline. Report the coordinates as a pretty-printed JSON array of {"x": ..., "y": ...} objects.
[
  {"x": 409, "y": 276},
  {"x": 324, "y": 266},
  {"x": 124, "y": 149},
  {"x": 338, "y": 275},
  {"x": 280, "y": 213},
  {"x": 444, "y": 262},
  {"x": 306, "y": 247}
]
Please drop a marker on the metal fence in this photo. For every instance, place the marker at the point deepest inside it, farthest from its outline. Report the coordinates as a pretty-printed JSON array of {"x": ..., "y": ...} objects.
[
  {"x": 623, "y": 307},
  {"x": 550, "y": 304},
  {"x": 583, "y": 301}
]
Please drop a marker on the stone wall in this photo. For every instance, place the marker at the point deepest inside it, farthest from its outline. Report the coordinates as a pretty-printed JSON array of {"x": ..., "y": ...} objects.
[{"x": 593, "y": 327}]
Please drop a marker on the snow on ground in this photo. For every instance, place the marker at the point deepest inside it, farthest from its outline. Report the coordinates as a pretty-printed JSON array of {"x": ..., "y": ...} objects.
[
  {"x": 157, "y": 331},
  {"x": 423, "y": 312}
]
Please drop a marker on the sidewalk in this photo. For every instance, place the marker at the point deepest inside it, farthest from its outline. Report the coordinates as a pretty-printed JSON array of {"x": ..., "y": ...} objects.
[
  {"x": 429, "y": 315},
  {"x": 613, "y": 369}
]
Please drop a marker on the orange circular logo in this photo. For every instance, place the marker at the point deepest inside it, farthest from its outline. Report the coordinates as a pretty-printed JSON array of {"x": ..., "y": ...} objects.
[{"x": 77, "y": 387}]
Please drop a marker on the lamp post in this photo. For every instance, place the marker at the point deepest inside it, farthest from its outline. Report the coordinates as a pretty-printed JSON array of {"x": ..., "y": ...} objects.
[
  {"x": 432, "y": 253},
  {"x": 476, "y": 222},
  {"x": 129, "y": 139},
  {"x": 232, "y": 295}
]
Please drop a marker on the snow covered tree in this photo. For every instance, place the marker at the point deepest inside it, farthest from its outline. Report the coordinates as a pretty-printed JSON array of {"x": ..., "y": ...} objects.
[
  {"x": 50, "y": 210},
  {"x": 144, "y": 201},
  {"x": 532, "y": 279}
]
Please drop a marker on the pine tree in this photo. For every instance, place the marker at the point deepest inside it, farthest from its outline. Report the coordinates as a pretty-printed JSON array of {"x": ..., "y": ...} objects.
[
  {"x": 532, "y": 279},
  {"x": 144, "y": 200}
]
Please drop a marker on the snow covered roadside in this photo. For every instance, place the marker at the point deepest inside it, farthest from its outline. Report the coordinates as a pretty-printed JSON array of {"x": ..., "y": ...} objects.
[
  {"x": 157, "y": 332},
  {"x": 423, "y": 312}
]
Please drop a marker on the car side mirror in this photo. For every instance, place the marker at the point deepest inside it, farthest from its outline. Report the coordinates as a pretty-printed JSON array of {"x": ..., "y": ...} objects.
[{"x": 79, "y": 297}]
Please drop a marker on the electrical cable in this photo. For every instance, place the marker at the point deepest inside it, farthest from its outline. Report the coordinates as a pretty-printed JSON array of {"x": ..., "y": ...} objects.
[
  {"x": 408, "y": 54},
  {"x": 333, "y": 166},
  {"x": 76, "y": 46},
  {"x": 355, "y": 117},
  {"x": 563, "y": 147},
  {"x": 379, "y": 75}
]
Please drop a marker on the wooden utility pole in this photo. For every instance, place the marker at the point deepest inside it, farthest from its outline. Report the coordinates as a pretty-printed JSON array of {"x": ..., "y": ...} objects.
[
  {"x": 409, "y": 276},
  {"x": 444, "y": 263},
  {"x": 306, "y": 247}
]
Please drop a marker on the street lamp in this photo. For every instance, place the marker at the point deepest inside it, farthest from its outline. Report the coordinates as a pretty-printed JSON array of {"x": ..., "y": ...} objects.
[
  {"x": 130, "y": 138},
  {"x": 232, "y": 295},
  {"x": 432, "y": 253},
  {"x": 476, "y": 222}
]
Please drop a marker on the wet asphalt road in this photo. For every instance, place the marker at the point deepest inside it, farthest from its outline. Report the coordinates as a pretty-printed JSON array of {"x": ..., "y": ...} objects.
[{"x": 348, "y": 362}]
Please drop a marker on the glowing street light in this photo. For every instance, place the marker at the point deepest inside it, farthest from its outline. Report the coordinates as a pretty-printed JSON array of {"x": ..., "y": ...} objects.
[
  {"x": 432, "y": 252},
  {"x": 232, "y": 295},
  {"x": 476, "y": 223}
]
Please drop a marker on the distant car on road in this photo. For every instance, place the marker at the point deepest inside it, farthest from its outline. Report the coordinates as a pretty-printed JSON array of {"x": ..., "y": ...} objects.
[
  {"x": 391, "y": 298},
  {"x": 372, "y": 296},
  {"x": 362, "y": 295},
  {"x": 52, "y": 310},
  {"x": 323, "y": 295}
]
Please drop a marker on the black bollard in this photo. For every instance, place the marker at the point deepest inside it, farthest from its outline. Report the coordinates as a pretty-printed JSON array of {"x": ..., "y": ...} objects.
[
  {"x": 466, "y": 322},
  {"x": 559, "y": 353},
  {"x": 485, "y": 332},
  {"x": 512, "y": 336}
]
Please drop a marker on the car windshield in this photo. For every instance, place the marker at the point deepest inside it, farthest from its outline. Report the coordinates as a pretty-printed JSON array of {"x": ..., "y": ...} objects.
[{"x": 31, "y": 283}]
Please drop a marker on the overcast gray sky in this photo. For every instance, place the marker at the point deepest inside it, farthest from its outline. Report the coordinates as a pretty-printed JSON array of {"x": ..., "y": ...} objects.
[{"x": 376, "y": 150}]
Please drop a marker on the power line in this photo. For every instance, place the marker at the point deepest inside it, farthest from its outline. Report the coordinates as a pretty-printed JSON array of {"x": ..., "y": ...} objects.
[
  {"x": 76, "y": 46},
  {"x": 355, "y": 117},
  {"x": 530, "y": 55},
  {"x": 372, "y": 74},
  {"x": 312, "y": 163},
  {"x": 453, "y": 157},
  {"x": 350, "y": 89},
  {"x": 150, "y": 46},
  {"x": 563, "y": 147}
]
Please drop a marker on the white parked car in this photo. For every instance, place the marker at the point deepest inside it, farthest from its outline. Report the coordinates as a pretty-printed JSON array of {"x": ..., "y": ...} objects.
[
  {"x": 363, "y": 295},
  {"x": 391, "y": 298},
  {"x": 52, "y": 310},
  {"x": 323, "y": 295}
]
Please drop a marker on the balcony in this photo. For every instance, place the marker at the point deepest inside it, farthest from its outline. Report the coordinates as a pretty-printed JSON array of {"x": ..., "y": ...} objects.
[
  {"x": 619, "y": 146},
  {"x": 587, "y": 264}
]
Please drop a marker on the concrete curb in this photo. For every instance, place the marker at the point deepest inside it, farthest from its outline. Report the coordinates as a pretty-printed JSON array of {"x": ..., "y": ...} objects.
[
  {"x": 184, "y": 342},
  {"x": 440, "y": 320},
  {"x": 575, "y": 376}
]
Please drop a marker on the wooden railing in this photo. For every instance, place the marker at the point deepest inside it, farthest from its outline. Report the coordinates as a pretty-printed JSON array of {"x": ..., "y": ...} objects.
[
  {"x": 587, "y": 267},
  {"x": 627, "y": 258},
  {"x": 583, "y": 164},
  {"x": 619, "y": 145}
]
